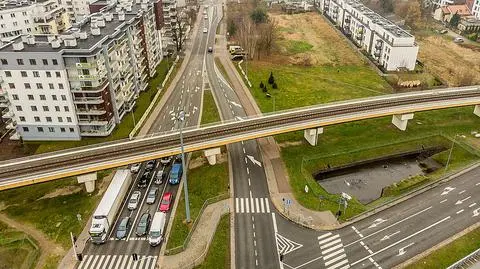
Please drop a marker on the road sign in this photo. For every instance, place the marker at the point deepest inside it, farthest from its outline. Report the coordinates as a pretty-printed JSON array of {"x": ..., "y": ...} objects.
[
  {"x": 306, "y": 188},
  {"x": 346, "y": 196}
]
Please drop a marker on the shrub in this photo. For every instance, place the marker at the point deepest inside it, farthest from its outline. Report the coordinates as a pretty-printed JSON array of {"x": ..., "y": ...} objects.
[
  {"x": 265, "y": 89},
  {"x": 262, "y": 85},
  {"x": 274, "y": 85},
  {"x": 271, "y": 79}
]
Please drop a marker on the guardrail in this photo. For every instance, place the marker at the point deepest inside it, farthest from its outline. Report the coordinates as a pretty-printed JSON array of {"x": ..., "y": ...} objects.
[
  {"x": 176, "y": 250},
  {"x": 461, "y": 263}
]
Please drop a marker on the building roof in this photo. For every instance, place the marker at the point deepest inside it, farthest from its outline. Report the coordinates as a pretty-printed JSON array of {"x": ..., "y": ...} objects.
[{"x": 461, "y": 10}]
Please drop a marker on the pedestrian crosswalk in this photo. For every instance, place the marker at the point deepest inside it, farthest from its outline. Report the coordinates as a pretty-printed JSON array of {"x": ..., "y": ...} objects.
[
  {"x": 117, "y": 262},
  {"x": 332, "y": 251},
  {"x": 252, "y": 205}
]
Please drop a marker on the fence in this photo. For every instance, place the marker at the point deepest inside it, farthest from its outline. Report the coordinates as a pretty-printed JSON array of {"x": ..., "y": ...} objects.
[
  {"x": 212, "y": 200},
  {"x": 474, "y": 255}
]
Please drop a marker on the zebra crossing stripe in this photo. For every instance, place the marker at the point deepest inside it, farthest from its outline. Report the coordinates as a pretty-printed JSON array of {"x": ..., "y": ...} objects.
[
  {"x": 324, "y": 235},
  {"x": 125, "y": 258},
  {"x": 327, "y": 263},
  {"x": 129, "y": 263},
  {"x": 241, "y": 203},
  {"x": 329, "y": 239},
  {"x": 257, "y": 205},
  {"x": 326, "y": 257},
  {"x": 101, "y": 259},
  {"x": 246, "y": 205},
  {"x": 331, "y": 243},
  {"x": 267, "y": 205},
  {"x": 261, "y": 205},
  {"x": 253, "y": 205},
  {"x": 331, "y": 249},
  {"x": 236, "y": 205},
  {"x": 106, "y": 261},
  {"x": 340, "y": 264}
]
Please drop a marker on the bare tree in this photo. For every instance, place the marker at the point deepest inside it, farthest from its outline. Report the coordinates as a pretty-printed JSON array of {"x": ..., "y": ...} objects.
[
  {"x": 246, "y": 35},
  {"x": 179, "y": 27},
  {"x": 414, "y": 13},
  {"x": 268, "y": 35}
]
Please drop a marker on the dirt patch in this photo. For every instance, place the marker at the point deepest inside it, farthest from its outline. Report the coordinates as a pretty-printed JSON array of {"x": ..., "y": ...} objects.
[
  {"x": 456, "y": 64},
  {"x": 13, "y": 149},
  {"x": 102, "y": 187},
  {"x": 62, "y": 191},
  {"x": 202, "y": 160},
  {"x": 287, "y": 144}
]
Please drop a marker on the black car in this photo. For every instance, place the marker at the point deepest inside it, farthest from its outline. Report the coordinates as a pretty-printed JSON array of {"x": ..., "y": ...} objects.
[
  {"x": 143, "y": 182},
  {"x": 178, "y": 158},
  {"x": 143, "y": 224},
  {"x": 150, "y": 165}
]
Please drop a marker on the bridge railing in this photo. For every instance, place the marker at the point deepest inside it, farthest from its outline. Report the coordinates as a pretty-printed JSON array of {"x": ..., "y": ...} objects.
[{"x": 464, "y": 260}]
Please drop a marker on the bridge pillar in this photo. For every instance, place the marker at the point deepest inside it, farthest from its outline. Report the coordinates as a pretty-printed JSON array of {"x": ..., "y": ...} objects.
[
  {"x": 476, "y": 111},
  {"x": 89, "y": 180},
  {"x": 401, "y": 120},
  {"x": 311, "y": 135},
  {"x": 211, "y": 155}
]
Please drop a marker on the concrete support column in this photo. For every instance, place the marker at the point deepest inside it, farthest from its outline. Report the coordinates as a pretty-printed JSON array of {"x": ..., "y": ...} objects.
[
  {"x": 89, "y": 180},
  {"x": 476, "y": 111},
  {"x": 311, "y": 135},
  {"x": 401, "y": 120},
  {"x": 211, "y": 155}
]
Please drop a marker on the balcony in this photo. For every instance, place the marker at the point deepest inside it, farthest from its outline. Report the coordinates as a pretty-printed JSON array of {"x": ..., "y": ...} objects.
[
  {"x": 85, "y": 77},
  {"x": 88, "y": 100},
  {"x": 377, "y": 54},
  {"x": 8, "y": 115},
  {"x": 85, "y": 65},
  {"x": 359, "y": 37},
  {"x": 378, "y": 45},
  {"x": 4, "y": 103},
  {"x": 347, "y": 20},
  {"x": 93, "y": 122},
  {"x": 11, "y": 126},
  {"x": 90, "y": 112},
  {"x": 360, "y": 30},
  {"x": 93, "y": 89}
]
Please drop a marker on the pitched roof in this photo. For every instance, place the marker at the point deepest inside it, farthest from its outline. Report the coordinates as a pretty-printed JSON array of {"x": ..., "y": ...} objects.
[{"x": 461, "y": 10}]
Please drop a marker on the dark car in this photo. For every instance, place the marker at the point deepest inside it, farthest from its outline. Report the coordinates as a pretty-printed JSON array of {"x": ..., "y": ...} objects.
[
  {"x": 178, "y": 158},
  {"x": 143, "y": 182},
  {"x": 143, "y": 224},
  {"x": 150, "y": 165},
  {"x": 123, "y": 227},
  {"x": 210, "y": 49}
]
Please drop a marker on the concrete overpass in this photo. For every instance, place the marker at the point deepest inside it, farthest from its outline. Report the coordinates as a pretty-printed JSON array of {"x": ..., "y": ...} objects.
[{"x": 78, "y": 161}]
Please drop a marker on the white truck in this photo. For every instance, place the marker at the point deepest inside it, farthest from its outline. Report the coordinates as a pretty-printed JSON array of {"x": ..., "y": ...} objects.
[
  {"x": 104, "y": 216},
  {"x": 155, "y": 236}
]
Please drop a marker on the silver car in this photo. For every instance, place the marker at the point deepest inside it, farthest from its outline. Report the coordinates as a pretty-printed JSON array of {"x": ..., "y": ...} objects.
[
  {"x": 152, "y": 196},
  {"x": 133, "y": 202}
]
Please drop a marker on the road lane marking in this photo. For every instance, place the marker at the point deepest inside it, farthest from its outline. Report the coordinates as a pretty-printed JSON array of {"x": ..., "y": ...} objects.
[
  {"x": 249, "y": 182},
  {"x": 478, "y": 184},
  {"x": 336, "y": 259},
  {"x": 329, "y": 239},
  {"x": 333, "y": 254},
  {"x": 247, "y": 210},
  {"x": 236, "y": 205},
  {"x": 357, "y": 231},
  {"x": 443, "y": 201},
  {"x": 257, "y": 205},
  {"x": 374, "y": 263},
  {"x": 463, "y": 200},
  {"x": 340, "y": 264},
  {"x": 248, "y": 171},
  {"x": 401, "y": 240},
  {"x": 402, "y": 251},
  {"x": 107, "y": 260},
  {"x": 396, "y": 223},
  {"x": 462, "y": 192},
  {"x": 275, "y": 230},
  {"x": 241, "y": 203},
  {"x": 386, "y": 237},
  {"x": 331, "y": 243},
  {"x": 261, "y": 205},
  {"x": 472, "y": 205},
  {"x": 331, "y": 249},
  {"x": 244, "y": 152},
  {"x": 460, "y": 211},
  {"x": 323, "y": 236},
  {"x": 267, "y": 205}
]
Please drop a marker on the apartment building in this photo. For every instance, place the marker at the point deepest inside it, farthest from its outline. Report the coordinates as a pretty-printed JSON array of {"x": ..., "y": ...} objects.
[
  {"x": 169, "y": 23},
  {"x": 474, "y": 6},
  {"x": 388, "y": 45},
  {"x": 25, "y": 17},
  {"x": 85, "y": 81},
  {"x": 76, "y": 9}
]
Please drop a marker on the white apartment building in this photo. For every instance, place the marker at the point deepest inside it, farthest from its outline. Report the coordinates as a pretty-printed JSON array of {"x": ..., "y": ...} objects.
[
  {"x": 390, "y": 46},
  {"x": 25, "y": 17},
  {"x": 83, "y": 82},
  {"x": 76, "y": 9},
  {"x": 169, "y": 23},
  {"x": 474, "y": 6}
]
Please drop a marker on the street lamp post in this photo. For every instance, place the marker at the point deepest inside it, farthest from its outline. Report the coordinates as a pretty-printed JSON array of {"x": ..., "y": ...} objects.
[
  {"x": 181, "y": 118},
  {"x": 450, "y": 154}
]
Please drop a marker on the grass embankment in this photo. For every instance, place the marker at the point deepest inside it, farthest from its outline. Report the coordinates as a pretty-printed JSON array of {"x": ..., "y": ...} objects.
[
  {"x": 369, "y": 139},
  {"x": 209, "y": 111},
  {"x": 17, "y": 250},
  {"x": 218, "y": 256},
  {"x": 449, "y": 254},
  {"x": 52, "y": 207},
  {"x": 123, "y": 129},
  {"x": 222, "y": 70}
]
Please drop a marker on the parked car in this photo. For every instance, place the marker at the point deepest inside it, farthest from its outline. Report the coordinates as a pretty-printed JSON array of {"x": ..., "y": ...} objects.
[
  {"x": 135, "y": 168},
  {"x": 143, "y": 224},
  {"x": 150, "y": 165},
  {"x": 166, "y": 201},
  {"x": 123, "y": 227},
  {"x": 205, "y": 30},
  {"x": 444, "y": 31},
  {"x": 206, "y": 16},
  {"x": 134, "y": 198},
  {"x": 458, "y": 40},
  {"x": 159, "y": 176},
  {"x": 210, "y": 49},
  {"x": 166, "y": 160},
  {"x": 178, "y": 158},
  {"x": 152, "y": 196},
  {"x": 143, "y": 182}
]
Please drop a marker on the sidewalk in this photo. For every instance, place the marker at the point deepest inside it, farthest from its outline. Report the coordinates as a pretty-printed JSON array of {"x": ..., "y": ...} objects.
[{"x": 199, "y": 243}]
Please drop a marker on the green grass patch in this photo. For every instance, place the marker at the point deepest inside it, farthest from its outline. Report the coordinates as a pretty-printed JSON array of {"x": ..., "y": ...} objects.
[
  {"x": 123, "y": 129},
  {"x": 52, "y": 262},
  {"x": 222, "y": 70},
  {"x": 405, "y": 185},
  {"x": 56, "y": 217},
  {"x": 209, "y": 109},
  {"x": 218, "y": 256},
  {"x": 204, "y": 182},
  {"x": 449, "y": 254},
  {"x": 17, "y": 250},
  {"x": 296, "y": 46}
]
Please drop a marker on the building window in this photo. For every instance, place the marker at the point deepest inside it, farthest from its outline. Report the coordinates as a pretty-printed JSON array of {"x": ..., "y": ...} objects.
[
  {"x": 20, "y": 61},
  {"x": 45, "y": 108},
  {"x": 34, "y": 108},
  {"x": 60, "y": 119},
  {"x": 54, "y": 62},
  {"x": 11, "y": 85},
  {"x": 66, "y": 108},
  {"x": 15, "y": 23},
  {"x": 14, "y": 97},
  {"x": 45, "y": 61},
  {"x": 26, "y": 22},
  {"x": 27, "y": 85},
  {"x": 19, "y": 108},
  {"x": 24, "y": 13},
  {"x": 69, "y": 119},
  {"x": 62, "y": 129},
  {"x": 29, "y": 30},
  {"x": 24, "y": 74},
  {"x": 50, "y": 86},
  {"x": 40, "y": 129},
  {"x": 57, "y": 108},
  {"x": 12, "y": 15},
  {"x": 8, "y": 74},
  {"x": 64, "y": 98},
  {"x": 49, "y": 74},
  {"x": 30, "y": 97},
  {"x": 33, "y": 61},
  {"x": 60, "y": 86},
  {"x": 39, "y": 86},
  {"x": 4, "y": 61},
  {"x": 36, "y": 118},
  {"x": 22, "y": 118},
  {"x": 36, "y": 74},
  {"x": 72, "y": 130},
  {"x": 49, "y": 119},
  {"x": 25, "y": 129},
  {"x": 57, "y": 74},
  {"x": 54, "y": 97},
  {"x": 51, "y": 129},
  {"x": 42, "y": 97}
]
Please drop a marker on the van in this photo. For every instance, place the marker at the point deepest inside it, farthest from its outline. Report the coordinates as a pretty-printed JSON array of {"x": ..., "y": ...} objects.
[
  {"x": 175, "y": 174},
  {"x": 233, "y": 49},
  {"x": 155, "y": 236}
]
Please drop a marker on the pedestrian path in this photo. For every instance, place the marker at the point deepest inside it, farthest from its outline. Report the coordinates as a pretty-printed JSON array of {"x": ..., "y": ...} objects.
[
  {"x": 252, "y": 205},
  {"x": 117, "y": 262},
  {"x": 332, "y": 251}
]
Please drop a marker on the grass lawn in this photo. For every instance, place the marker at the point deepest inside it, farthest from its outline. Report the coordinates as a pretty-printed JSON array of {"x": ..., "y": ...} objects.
[
  {"x": 56, "y": 216},
  {"x": 449, "y": 254},
  {"x": 123, "y": 129},
  {"x": 204, "y": 182},
  {"x": 17, "y": 250},
  {"x": 209, "y": 110},
  {"x": 367, "y": 139},
  {"x": 218, "y": 256},
  {"x": 222, "y": 70}
]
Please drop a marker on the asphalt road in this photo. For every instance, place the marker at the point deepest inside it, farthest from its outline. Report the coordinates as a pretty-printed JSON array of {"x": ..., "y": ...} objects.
[{"x": 186, "y": 96}]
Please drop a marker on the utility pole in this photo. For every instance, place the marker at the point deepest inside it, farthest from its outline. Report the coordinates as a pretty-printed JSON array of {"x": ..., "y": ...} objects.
[
  {"x": 450, "y": 154},
  {"x": 181, "y": 118}
]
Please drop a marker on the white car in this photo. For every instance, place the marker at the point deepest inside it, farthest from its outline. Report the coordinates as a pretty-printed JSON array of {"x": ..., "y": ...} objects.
[
  {"x": 159, "y": 176},
  {"x": 205, "y": 17},
  {"x": 166, "y": 160},
  {"x": 205, "y": 30},
  {"x": 133, "y": 202},
  {"x": 152, "y": 196},
  {"x": 135, "y": 168},
  {"x": 458, "y": 40}
]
